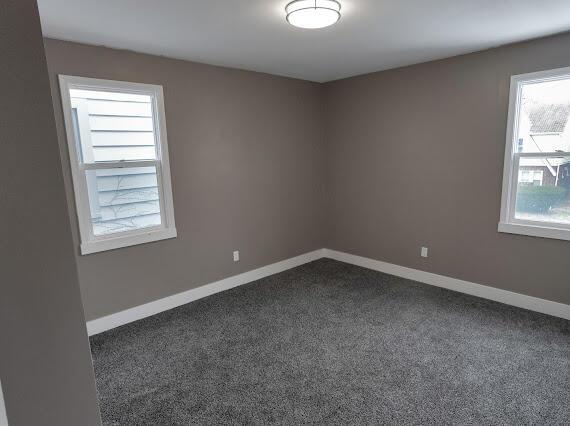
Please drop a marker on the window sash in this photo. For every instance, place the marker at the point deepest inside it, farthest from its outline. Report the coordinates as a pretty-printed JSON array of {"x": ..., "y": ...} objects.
[
  {"x": 126, "y": 165},
  {"x": 514, "y": 188},
  {"x": 91, "y": 243},
  {"x": 555, "y": 154},
  {"x": 84, "y": 146}
]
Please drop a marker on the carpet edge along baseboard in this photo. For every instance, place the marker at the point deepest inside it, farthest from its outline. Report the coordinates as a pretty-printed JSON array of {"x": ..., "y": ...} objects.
[{"x": 136, "y": 313}]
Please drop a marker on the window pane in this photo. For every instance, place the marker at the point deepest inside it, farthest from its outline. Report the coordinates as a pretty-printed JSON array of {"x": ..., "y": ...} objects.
[
  {"x": 123, "y": 199},
  {"x": 543, "y": 119},
  {"x": 543, "y": 190},
  {"x": 113, "y": 126}
]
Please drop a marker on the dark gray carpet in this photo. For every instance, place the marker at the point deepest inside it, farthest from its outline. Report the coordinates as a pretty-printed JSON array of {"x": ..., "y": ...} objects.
[{"x": 331, "y": 343}]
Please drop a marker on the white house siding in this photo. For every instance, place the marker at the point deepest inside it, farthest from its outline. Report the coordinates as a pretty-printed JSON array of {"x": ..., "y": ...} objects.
[{"x": 118, "y": 127}]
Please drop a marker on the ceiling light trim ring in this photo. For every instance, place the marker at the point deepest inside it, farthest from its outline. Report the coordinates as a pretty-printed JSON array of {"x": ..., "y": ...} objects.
[
  {"x": 336, "y": 11},
  {"x": 315, "y": 6}
]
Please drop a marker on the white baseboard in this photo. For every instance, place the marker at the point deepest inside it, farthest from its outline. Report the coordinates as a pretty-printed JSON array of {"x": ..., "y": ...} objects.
[
  {"x": 148, "y": 309},
  {"x": 507, "y": 297}
]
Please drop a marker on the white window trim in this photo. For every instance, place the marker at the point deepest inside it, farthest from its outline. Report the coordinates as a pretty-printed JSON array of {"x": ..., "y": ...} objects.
[
  {"x": 167, "y": 229},
  {"x": 508, "y": 223}
]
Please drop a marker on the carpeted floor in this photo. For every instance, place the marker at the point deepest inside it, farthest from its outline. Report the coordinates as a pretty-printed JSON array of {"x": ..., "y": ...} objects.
[{"x": 331, "y": 343}]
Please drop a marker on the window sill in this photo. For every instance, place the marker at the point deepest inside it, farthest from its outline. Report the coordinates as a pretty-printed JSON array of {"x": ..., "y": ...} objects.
[
  {"x": 535, "y": 231},
  {"x": 127, "y": 241}
]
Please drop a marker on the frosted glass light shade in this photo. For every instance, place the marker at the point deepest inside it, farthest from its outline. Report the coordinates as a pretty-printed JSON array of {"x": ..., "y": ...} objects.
[{"x": 313, "y": 14}]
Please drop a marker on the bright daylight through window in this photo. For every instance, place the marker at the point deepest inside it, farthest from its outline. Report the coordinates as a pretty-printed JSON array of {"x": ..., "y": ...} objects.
[
  {"x": 536, "y": 186},
  {"x": 119, "y": 159}
]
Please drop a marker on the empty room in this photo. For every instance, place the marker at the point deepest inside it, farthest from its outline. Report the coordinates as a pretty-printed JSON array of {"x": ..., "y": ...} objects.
[{"x": 334, "y": 212}]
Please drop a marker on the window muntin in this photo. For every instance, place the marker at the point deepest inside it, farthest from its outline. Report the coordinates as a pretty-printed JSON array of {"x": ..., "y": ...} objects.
[
  {"x": 117, "y": 144},
  {"x": 536, "y": 188}
]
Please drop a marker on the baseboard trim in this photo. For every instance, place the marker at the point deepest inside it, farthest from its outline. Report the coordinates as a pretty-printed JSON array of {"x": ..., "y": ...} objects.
[
  {"x": 507, "y": 297},
  {"x": 109, "y": 322},
  {"x": 548, "y": 307}
]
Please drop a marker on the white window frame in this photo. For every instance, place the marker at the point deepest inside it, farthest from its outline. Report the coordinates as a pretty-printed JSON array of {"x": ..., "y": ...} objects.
[
  {"x": 91, "y": 243},
  {"x": 508, "y": 223}
]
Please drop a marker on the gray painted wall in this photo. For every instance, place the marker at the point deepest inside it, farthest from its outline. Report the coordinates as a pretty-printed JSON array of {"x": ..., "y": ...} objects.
[
  {"x": 45, "y": 364},
  {"x": 415, "y": 157},
  {"x": 409, "y": 157},
  {"x": 247, "y": 162}
]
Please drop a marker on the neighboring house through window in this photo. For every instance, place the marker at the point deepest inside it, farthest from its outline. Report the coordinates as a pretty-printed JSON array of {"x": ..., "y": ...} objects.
[
  {"x": 531, "y": 177},
  {"x": 536, "y": 186},
  {"x": 116, "y": 134}
]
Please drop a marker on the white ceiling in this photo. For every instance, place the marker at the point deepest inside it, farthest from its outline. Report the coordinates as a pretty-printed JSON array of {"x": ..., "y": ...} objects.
[{"x": 372, "y": 35}]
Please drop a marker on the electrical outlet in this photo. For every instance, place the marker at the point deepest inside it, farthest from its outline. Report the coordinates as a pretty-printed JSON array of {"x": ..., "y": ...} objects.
[
  {"x": 424, "y": 252},
  {"x": 236, "y": 256}
]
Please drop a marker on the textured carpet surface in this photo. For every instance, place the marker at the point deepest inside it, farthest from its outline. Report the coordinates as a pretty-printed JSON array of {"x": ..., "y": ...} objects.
[{"x": 331, "y": 343}]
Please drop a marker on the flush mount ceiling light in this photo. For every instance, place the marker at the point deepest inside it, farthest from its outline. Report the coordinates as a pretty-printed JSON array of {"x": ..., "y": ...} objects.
[{"x": 313, "y": 13}]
